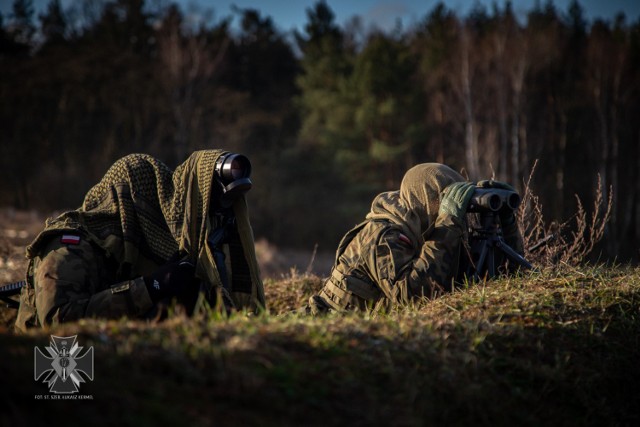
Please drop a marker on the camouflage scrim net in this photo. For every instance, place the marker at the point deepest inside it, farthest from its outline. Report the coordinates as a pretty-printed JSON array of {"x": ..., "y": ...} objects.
[
  {"x": 142, "y": 212},
  {"x": 135, "y": 201}
]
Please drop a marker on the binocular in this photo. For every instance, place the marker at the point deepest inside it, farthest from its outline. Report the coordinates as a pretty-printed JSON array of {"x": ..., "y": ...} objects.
[
  {"x": 233, "y": 172},
  {"x": 493, "y": 200}
]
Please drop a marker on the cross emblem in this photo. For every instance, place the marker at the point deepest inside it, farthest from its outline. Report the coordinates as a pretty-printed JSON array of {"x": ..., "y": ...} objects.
[{"x": 62, "y": 370}]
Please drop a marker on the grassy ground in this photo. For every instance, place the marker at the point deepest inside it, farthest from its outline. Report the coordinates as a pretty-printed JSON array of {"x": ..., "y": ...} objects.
[{"x": 545, "y": 349}]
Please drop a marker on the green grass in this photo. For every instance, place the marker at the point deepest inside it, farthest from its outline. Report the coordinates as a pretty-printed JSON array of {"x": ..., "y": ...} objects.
[{"x": 545, "y": 349}]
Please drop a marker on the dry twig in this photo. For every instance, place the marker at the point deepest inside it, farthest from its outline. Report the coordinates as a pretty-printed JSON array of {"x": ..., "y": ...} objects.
[{"x": 559, "y": 243}]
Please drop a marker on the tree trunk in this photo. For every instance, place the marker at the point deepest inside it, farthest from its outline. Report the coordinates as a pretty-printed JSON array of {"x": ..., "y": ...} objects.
[
  {"x": 518, "y": 83},
  {"x": 503, "y": 170},
  {"x": 470, "y": 139}
]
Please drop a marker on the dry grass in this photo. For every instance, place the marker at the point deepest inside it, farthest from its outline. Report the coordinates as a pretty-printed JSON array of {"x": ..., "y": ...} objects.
[
  {"x": 558, "y": 243},
  {"x": 557, "y": 347},
  {"x": 543, "y": 349},
  {"x": 291, "y": 292},
  {"x": 17, "y": 229}
]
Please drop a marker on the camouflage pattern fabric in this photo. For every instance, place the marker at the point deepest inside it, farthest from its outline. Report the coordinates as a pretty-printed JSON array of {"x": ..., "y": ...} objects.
[
  {"x": 71, "y": 281},
  {"x": 404, "y": 250},
  {"x": 140, "y": 215}
]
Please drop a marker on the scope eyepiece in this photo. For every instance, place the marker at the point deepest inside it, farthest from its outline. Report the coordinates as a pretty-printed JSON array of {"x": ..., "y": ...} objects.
[{"x": 493, "y": 200}]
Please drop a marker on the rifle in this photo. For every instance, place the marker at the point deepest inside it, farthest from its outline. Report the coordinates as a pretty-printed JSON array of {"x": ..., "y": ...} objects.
[{"x": 9, "y": 290}]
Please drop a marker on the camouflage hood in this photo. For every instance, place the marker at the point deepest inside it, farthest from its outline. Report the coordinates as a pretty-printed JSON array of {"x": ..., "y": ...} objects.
[
  {"x": 143, "y": 214},
  {"x": 415, "y": 206}
]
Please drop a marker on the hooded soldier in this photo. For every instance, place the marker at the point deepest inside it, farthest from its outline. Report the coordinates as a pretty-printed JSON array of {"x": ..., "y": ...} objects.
[
  {"x": 146, "y": 235},
  {"x": 409, "y": 246}
]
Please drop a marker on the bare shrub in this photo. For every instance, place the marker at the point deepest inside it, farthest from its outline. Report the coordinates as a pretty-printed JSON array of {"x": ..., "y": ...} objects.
[{"x": 569, "y": 242}]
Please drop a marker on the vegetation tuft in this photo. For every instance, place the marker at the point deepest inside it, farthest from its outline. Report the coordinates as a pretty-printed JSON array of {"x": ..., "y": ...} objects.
[
  {"x": 561, "y": 243},
  {"x": 545, "y": 348}
]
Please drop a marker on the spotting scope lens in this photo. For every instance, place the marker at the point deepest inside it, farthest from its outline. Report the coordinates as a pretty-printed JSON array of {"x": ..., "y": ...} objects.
[
  {"x": 513, "y": 201},
  {"x": 493, "y": 199},
  {"x": 231, "y": 167},
  {"x": 232, "y": 171}
]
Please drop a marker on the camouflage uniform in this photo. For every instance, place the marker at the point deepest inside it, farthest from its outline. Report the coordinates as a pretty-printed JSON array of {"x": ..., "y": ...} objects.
[
  {"x": 404, "y": 250},
  {"x": 75, "y": 280},
  {"x": 89, "y": 262}
]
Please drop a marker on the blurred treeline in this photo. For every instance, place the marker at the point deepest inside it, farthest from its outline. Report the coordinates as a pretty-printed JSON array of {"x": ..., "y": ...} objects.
[{"x": 329, "y": 116}]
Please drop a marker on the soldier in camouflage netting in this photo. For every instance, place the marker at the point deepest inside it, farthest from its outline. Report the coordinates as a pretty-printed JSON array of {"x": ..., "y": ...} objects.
[
  {"x": 409, "y": 246},
  {"x": 146, "y": 235}
]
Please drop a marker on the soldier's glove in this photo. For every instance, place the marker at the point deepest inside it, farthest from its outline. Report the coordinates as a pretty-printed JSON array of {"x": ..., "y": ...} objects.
[
  {"x": 507, "y": 216},
  {"x": 455, "y": 199},
  {"x": 173, "y": 279}
]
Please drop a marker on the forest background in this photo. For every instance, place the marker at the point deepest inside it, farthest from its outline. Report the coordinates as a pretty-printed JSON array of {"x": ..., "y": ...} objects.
[{"x": 329, "y": 116}]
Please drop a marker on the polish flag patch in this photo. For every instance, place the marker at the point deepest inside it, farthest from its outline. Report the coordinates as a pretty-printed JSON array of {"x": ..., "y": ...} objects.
[{"x": 70, "y": 239}]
